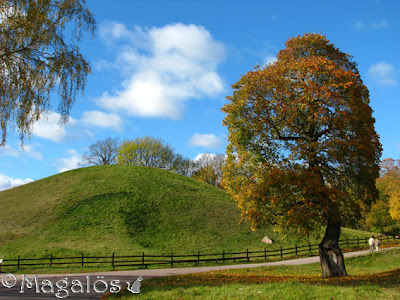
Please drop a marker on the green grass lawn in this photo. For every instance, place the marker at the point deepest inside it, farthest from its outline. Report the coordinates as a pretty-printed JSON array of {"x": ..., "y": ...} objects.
[
  {"x": 121, "y": 209},
  {"x": 374, "y": 276},
  {"x": 125, "y": 210}
]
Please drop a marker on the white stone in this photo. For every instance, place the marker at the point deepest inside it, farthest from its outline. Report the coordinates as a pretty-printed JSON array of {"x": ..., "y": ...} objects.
[{"x": 266, "y": 240}]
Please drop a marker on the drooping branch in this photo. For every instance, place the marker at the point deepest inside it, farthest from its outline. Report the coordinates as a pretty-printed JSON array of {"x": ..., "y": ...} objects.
[{"x": 35, "y": 59}]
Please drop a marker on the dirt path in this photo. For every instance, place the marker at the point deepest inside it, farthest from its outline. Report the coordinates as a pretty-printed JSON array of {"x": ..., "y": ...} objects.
[{"x": 131, "y": 276}]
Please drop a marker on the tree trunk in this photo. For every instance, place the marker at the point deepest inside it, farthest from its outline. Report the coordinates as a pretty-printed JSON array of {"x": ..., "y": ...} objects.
[{"x": 332, "y": 260}]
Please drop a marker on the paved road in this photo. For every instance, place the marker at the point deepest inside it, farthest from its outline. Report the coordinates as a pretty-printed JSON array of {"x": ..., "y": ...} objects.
[{"x": 123, "y": 276}]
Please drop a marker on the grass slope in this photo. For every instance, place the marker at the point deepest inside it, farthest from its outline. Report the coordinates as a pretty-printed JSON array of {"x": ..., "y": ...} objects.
[{"x": 122, "y": 209}]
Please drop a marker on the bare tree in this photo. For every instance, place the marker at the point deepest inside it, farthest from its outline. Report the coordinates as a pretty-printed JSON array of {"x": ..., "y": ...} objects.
[
  {"x": 208, "y": 168},
  {"x": 184, "y": 166},
  {"x": 103, "y": 152}
]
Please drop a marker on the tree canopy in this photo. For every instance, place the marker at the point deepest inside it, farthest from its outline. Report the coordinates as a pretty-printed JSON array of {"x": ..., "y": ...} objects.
[
  {"x": 209, "y": 168},
  {"x": 303, "y": 151},
  {"x": 148, "y": 152},
  {"x": 36, "y": 58},
  {"x": 389, "y": 186}
]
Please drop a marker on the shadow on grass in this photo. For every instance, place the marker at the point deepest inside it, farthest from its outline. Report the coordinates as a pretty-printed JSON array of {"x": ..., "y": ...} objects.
[{"x": 386, "y": 279}]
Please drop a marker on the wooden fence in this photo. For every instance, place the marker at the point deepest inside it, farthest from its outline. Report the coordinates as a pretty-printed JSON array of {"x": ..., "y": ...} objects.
[{"x": 143, "y": 260}]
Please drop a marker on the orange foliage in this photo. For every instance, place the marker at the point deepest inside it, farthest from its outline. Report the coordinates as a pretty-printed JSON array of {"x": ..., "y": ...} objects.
[
  {"x": 389, "y": 278},
  {"x": 389, "y": 185},
  {"x": 302, "y": 145}
]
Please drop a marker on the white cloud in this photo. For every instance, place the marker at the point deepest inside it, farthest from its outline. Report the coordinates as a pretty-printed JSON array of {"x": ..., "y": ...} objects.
[
  {"x": 167, "y": 66},
  {"x": 383, "y": 73},
  {"x": 205, "y": 140},
  {"x": 69, "y": 163},
  {"x": 7, "y": 150},
  {"x": 102, "y": 65},
  {"x": 7, "y": 12},
  {"x": 8, "y": 182},
  {"x": 269, "y": 59},
  {"x": 101, "y": 119},
  {"x": 111, "y": 31},
  {"x": 361, "y": 25},
  {"x": 28, "y": 150},
  {"x": 200, "y": 155},
  {"x": 48, "y": 127},
  {"x": 31, "y": 152},
  {"x": 378, "y": 25}
]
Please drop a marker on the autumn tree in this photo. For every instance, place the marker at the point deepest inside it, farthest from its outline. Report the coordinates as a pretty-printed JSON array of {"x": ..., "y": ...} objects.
[
  {"x": 382, "y": 215},
  {"x": 389, "y": 187},
  {"x": 379, "y": 219},
  {"x": 103, "y": 152},
  {"x": 303, "y": 151},
  {"x": 148, "y": 152},
  {"x": 209, "y": 168},
  {"x": 36, "y": 58},
  {"x": 389, "y": 169}
]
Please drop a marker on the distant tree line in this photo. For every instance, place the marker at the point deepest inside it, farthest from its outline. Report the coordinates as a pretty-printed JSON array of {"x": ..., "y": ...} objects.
[
  {"x": 382, "y": 216},
  {"x": 155, "y": 153}
]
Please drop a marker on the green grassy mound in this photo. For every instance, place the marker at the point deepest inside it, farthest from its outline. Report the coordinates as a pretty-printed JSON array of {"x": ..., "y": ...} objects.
[{"x": 122, "y": 209}]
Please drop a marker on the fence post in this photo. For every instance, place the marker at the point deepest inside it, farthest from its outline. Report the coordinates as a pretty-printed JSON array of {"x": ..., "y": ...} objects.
[
  {"x": 198, "y": 257},
  {"x": 281, "y": 252},
  {"x": 247, "y": 254},
  {"x": 309, "y": 247},
  {"x": 143, "y": 258},
  {"x": 223, "y": 256},
  {"x": 172, "y": 259},
  {"x": 295, "y": 248},
  {"x": 265, "y": 253},
  {"x": 19, "y": 259},
  {"x": 113, "y": 261},
  {"x": 51, "y": 260},
  {"x": 82, "y": 259}
]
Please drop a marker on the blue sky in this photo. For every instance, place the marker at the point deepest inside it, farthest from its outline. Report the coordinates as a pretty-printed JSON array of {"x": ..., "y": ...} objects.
[{"x": 164, "y": 68}]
